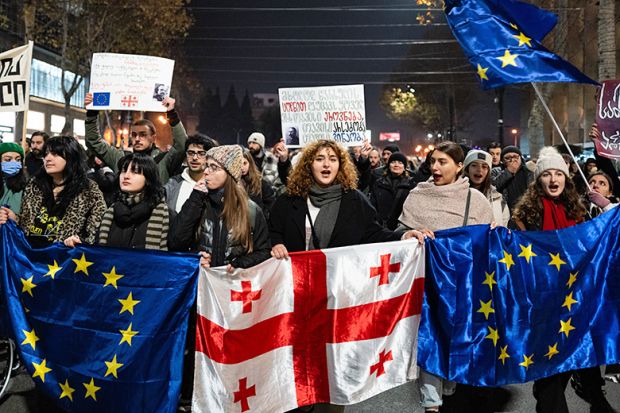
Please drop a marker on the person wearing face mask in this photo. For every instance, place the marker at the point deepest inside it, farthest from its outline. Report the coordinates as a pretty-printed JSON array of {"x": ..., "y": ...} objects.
[
  {"x": 14, "y": 176},
  {"x": 477, "y": 168},
  {"x": 444, "y": 201},
  {"x": 390, "y": 191},
  {"x": 322, "y": 208},
  {"x": 552, "y": 202}
]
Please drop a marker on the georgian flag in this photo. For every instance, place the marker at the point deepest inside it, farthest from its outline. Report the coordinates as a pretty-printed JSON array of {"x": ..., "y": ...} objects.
[{"x": 337, "y": 326}]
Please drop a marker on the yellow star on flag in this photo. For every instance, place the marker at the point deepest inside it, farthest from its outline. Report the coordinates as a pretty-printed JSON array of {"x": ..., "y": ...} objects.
[
  {"x": 113, "y": 366},
  {"x": 482, "y": 72},
  {"x": 565, "y": 327},
  {"x": 28, "y": 285},
  {"x": 81, "y": 265},
  {"x": 507, "y": 260},
  {"x": 571, "y": 279},
  {"x": 523, "y": 39},
  {"x": 128, "y": 304},
  {"x": 569, "y": 301},
  {"x": 52, "y": 270},
  {"x": 527, "y": 361},
  {"x": 489, "y": 280},
  {"x": 67, "y": 391},
  {"x": 553, "y": 350},
  {"x": 508, "y": 59},
  {"x": 486, "y": 309},
  {"x": 112, "y": 277},
  {"x": 526, "y": 252},
  {"x": 492, "y": 335},
  {"x": 31, "y": 338},
  {"x": 91, "y": 389},
  {"x": 504, "y": 354},
  {"x": 128, "y": 335},
  {"x": 556, "y": 260},
  {"x": 40, "y": 370}
]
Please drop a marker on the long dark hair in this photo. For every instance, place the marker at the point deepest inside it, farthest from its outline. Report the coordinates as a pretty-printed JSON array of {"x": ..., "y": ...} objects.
[
  {"x": 73, "y": 176},
  {"x": 18, "y": 182},
  {"x": 145, "y": 165}
]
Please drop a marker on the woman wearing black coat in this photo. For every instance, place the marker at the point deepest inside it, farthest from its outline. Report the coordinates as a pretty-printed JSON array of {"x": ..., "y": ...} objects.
[{"x": 323, "y": 209}]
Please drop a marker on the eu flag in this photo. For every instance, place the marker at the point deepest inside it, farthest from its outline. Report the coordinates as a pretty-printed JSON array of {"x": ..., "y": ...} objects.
[
  {"x": 501, "y": 39},
  {"x": 101, "y": 99},
  {"x": 506, "y": 307},
  {"x": 99, "y": 329}
]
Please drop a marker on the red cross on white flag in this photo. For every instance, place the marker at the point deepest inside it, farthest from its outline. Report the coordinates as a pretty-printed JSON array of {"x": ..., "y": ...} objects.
[{"x": 315, "y": 328}]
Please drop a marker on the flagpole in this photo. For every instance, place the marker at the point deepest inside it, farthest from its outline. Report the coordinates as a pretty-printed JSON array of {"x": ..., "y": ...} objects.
[{"x": 557, "y": 127}]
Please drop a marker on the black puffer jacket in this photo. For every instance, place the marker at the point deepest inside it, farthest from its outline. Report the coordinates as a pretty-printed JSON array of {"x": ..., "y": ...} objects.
[
  {"x": 385, "y": 195},
  {"x": 512, "y": 187},
  {"x": 199, "y": 227}
]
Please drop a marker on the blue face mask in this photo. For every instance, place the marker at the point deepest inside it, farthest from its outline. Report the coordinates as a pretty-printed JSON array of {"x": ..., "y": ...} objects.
[{"x": 11, "y": 168}]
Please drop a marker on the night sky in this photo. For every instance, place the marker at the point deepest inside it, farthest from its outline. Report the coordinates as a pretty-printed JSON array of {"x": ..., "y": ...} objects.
[{"x": 262, "y": 45}]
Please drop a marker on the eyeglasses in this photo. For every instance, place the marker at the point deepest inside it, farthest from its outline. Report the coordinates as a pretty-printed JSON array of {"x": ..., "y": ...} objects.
[
  {"x": 196, "y": 154},
  {"x": 213, "y": 167},
  {"x": 511, "y": 158}
]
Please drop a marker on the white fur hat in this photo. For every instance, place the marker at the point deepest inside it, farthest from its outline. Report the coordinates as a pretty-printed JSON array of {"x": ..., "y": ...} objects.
[{"x": 550, "y": 158}]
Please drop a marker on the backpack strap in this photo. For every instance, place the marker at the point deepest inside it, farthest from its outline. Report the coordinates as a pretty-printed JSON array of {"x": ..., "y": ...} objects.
[{"x": 466, "y": 217}]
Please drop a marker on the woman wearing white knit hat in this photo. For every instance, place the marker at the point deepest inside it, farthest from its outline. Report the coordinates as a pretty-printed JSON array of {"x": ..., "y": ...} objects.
[{"x": 551, "y": 202}]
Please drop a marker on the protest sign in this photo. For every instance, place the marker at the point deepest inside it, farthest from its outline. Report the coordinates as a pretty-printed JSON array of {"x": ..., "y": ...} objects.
[
  {"x": 389, "y": 136},
  {"x": 15, "y": 78},
  {"x": 326, "y": 112},
  {"x": 130, "y": 82},
  {"x": 608, "y": 120}
]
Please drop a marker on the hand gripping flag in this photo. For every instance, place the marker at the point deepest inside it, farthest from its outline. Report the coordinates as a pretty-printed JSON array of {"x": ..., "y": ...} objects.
[
  {"x": 501, "y": 39},
  {"x": 506, "y": 307},
  {"x": 99, "y": 329},
  {"x": 336, "y": 326}
]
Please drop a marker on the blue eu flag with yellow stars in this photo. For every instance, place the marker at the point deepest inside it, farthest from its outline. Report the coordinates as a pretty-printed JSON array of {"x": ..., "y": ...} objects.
[
  {"x": 506, "y": 307},
  {"x": 501, "y": 39},
  {"x": 98, "y": 329}
]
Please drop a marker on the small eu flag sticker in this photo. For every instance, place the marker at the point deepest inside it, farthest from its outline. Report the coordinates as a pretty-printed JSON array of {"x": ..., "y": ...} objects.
[{"x": 101, "y": 99}]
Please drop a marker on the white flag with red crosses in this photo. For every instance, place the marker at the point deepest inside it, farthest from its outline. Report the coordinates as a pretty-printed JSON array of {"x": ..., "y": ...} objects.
[{"x": 337, "y": 326}]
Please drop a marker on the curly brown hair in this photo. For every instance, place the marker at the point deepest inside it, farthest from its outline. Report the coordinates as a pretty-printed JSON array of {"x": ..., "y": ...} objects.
[
  {"x": 529, "y": 209},
  {"x": 300, "y": 179}
]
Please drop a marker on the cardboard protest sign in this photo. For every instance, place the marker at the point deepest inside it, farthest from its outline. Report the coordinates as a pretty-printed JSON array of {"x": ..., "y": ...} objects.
[
  {"x": 130, "y": 82},
  {"x": 15, "y": 78},
  {"x": 608, "y": 120},
  {"x": 326, "y": 112}
]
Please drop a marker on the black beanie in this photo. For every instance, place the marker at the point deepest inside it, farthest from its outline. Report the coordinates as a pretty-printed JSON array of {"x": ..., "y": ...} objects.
[
  {"x": 392, "y": 148},
  {"x": 398, "y": 156},
  {"x": 511, "y": 149}
]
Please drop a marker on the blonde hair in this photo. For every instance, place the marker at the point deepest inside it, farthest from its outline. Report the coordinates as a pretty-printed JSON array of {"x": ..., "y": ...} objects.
[
  {"x": 236, "y": 213},
  {"x": 301, "y": 179}
]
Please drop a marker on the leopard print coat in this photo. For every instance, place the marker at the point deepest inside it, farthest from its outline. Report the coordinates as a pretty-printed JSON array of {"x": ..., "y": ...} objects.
[{"x": 82, "y": 217}]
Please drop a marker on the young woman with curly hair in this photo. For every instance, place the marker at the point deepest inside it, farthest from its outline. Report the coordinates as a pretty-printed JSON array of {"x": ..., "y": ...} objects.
[
  {"x": 552, "y": 202},
  {"x": 322, "y": 208}
]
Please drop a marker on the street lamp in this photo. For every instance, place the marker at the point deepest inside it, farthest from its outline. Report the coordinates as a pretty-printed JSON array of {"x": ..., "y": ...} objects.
[{"x": 514, "y": 132}]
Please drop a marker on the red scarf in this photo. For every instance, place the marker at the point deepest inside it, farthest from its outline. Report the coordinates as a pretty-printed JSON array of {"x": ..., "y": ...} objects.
[{"x": 554, "y": 216}]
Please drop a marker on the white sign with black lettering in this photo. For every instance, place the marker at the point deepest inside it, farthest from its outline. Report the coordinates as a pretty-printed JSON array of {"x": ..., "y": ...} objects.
[{"x": 15, "y": 78}]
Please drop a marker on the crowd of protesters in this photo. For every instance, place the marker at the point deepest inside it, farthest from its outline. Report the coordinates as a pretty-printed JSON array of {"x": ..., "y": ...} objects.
[{"x": 237, "y": 206}]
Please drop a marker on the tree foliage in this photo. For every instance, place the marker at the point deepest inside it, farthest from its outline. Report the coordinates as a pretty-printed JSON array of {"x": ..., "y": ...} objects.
[{"x": 75, "y": 29}]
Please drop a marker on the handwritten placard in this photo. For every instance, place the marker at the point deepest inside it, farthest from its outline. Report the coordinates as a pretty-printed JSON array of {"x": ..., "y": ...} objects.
[
  {"x": 130, "y": 82},
  {"x": 326, "y": 112},
  {"x": 608, "y": 120},
  {"x": 15, "y": 78}
]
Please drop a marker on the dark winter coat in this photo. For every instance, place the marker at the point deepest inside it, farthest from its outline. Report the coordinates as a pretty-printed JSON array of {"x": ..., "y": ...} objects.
[
  {"x": 512, "y": 187},
  {"x": 388, "y": 195},
  {"x": 200, "y": 227},
  {"x": 356, "y": 223}
]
